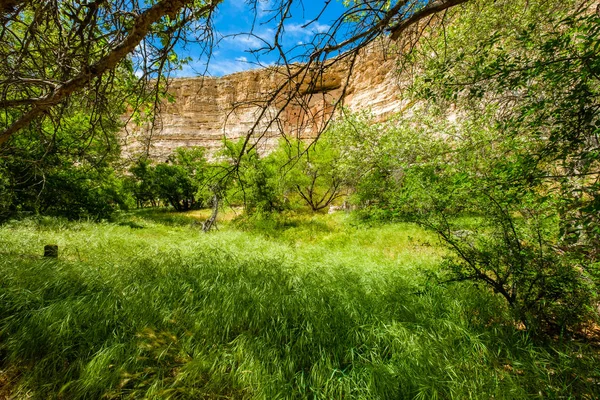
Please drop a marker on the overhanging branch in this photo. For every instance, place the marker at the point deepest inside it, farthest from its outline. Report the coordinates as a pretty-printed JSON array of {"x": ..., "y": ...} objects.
[
  {"x": 139, "y": 30},
  {"x": 430, "y": 9}
]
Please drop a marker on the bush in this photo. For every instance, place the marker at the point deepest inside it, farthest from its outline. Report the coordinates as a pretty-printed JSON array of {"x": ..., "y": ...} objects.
[{"x": 514, "y": 251}]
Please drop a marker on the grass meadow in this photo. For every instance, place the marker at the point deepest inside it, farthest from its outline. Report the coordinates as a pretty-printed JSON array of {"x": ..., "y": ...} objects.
[{"x": 297, "y": 307}]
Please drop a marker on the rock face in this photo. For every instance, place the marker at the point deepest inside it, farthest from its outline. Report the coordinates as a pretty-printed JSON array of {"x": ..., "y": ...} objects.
[{"x": 264, "y": 104}]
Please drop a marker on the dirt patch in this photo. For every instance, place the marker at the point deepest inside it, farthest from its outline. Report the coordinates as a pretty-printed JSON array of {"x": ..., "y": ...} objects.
[
  {"x": 592, "y": 333},
  {"x": 8, "y": 382}
]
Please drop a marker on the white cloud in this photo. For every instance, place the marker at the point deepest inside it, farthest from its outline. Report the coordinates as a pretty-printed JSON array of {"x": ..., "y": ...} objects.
[
  {"x": 264, "y": 7},
  {"x": 195, "y": 68},
  {"x": 216, "y": 67},
  {"x": 298, "y": 30},
  {"x": 242, "y": 42},
  {"x": 319, "y": 27},
  {"x": 226, "y": 67}
]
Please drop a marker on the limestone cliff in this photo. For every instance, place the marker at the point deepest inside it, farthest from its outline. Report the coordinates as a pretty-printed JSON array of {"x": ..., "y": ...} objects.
[{"x": 207, "y": 109}]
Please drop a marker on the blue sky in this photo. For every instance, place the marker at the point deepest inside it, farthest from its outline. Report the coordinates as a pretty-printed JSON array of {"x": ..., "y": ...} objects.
[{"x": 235, "y": 16}]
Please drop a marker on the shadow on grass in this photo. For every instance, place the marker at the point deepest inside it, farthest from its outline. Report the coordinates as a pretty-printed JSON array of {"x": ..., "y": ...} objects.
[
  {"x": 164, "y": 216},
  {"x": 286, "y": 225}
]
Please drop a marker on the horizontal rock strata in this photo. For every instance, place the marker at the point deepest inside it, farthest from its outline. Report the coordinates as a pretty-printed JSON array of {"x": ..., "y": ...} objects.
[{"x": 267, "y": 103}]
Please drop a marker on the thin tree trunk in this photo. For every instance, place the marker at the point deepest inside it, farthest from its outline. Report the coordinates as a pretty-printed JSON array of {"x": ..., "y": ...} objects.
[{"x": 212, "y": 221}]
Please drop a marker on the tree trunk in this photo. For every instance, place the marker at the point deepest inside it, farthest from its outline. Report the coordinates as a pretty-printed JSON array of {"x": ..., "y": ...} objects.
[{"x": 212, "y": 221}]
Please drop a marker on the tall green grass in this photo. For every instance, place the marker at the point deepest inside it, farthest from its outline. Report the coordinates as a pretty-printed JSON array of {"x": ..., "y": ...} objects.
[{"x": 139, "y": 309}]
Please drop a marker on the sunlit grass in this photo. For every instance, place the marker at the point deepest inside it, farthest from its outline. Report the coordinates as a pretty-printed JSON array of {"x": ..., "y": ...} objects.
[{"x": 302, "y": 307}]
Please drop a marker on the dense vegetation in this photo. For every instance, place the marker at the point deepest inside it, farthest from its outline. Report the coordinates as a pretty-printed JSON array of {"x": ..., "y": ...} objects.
[
  {"x": 468, "y": 268},
  {"x": 316, "y": 307}
]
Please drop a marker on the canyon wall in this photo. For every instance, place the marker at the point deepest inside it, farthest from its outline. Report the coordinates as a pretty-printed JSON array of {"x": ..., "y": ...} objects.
[{"x": 267, "y": 103}]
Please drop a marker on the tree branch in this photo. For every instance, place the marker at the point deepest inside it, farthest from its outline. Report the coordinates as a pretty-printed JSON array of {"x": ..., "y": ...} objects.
[
  {"x": 430, "y": 9},
  {"x": 8, "y": 6},
  {"x": 140, "y": 29}
]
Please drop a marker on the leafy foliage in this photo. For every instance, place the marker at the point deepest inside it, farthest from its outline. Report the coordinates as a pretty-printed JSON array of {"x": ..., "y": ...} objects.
[
  {"x": 143, "y": 184},
  {"x": 312, "y": 170},
  {"x": 180, "y": 182},
  {"x": 538, "y": 84},
  {"x": 66, "y": 168},
  {"x": 252, "y": 180},
  {"x": 525, "y": 159}
]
